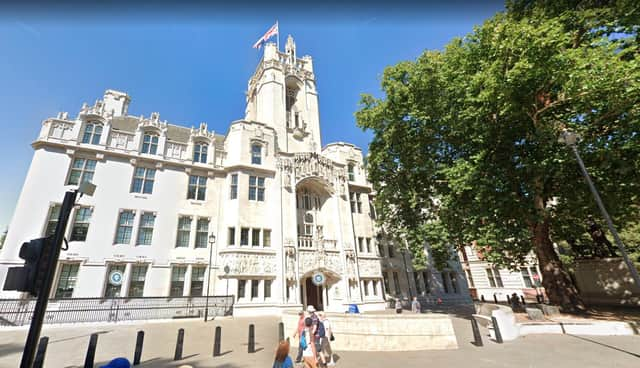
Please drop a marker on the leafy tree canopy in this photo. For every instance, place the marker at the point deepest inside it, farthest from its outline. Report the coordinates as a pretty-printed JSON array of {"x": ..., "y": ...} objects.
[{"x": 466, "y": 144}]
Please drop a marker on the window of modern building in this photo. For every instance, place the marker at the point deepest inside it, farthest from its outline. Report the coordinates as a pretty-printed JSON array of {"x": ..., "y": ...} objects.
[
  {"x": 197, "y": 187},
  {"x": 136, "y": 285},
  {"x": 255, "y": 237},
  {"x": 143, "y": 179},
  {"x": 145, "y": 230},
  {"x": 493, "y": 275},
  {"x": 177, "y": 280},
  {"x": 256, "y": 188},
  {"x": 361, "y": 245},
  {"x": 372, "y": 208},
  {"x": 200, "y": 152},
  {"x": 469, "y": 278},
  {"x": 184, "y": 231},
  {"x": 256, "y": 154},
  {"x": 242, "y": 286},
  {"x": 125, "y": 227},
  {"x": 308, "y": 224},
  {"x": 351, "y": 171},
  {"x": 81, "y": 224},
  {"x": 52, "y": 220},
  {"x": 231, "y": 236},
  {"x": 110, "y": 290},
  {"x": 233, "y": 189},
  {"x": 267, "y": 289},
  {"x": 358, "y": 202},
  {"x": 150, "y": 143},
  {"x": 445, "y": 282},
  {"x": 396, "y": 283},
  {"x": 425, "y": 279},
  {"x": 365, "y": 287},
  {"x": 82, "y": 170},
  {"x": 255, "y": 285},
  {"x": 244, "y": 236},
  {"x": 202, "y": 233},
  {"x": 266, "y": 238},
  {"x": 197, "y": 281},
  {"x": 92, "y": 133},
  {"x": 454, "y": 281},
  {"x": 385, "y": 278},
  {"x": 368, "y": 243},
  {"x": 66, "y": 280},
  {"x": 529, "y": 275}
]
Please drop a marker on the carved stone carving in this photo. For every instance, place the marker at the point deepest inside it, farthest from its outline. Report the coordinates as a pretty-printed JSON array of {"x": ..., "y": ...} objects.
[
  {"x": 249, "y": 264},
  {"x": 312, "y": 260},
  {"x": 369, "y": 267}
]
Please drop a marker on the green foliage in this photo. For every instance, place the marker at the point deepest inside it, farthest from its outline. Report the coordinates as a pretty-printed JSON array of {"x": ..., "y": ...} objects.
[{"x": 466, "y": 144}]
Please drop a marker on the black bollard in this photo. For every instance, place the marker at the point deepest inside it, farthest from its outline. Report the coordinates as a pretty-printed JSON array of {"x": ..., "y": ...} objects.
[
  {"x": 508, "y": 300},
  {"x": 280, "y": 331},
  {"x": 252, "y": 339},
  {"x": 522, "y": 299},
  {"x": 38, "y": 362},
  {"x": 216, "y": 341},
  {"x": 476, "y": 332},
  {"x": 496, "y": 329},
  {"x": 482, "y": 298},
  {"x": 179, "y": 343},
  {"x": 91, "y": 351},
  {"x": 495, "y": 298},
  {"x": 138, "y": 352}
]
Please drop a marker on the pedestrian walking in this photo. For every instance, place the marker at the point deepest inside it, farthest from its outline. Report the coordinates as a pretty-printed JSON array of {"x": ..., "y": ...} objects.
[
  {"x": 415, "y": 305},
  {"x": 318, "y": 332},
  {"x": 325, "y": 341},
  {"x": 298, "y": 333},
  {"x": 309, "y": 352},
  {"x": 282, "y": 359}
]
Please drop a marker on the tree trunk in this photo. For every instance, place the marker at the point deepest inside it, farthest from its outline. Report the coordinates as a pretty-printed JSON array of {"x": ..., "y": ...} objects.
[{"x": 556, "y": 281}]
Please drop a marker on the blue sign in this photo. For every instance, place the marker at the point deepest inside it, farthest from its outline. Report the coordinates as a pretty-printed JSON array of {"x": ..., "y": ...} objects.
[
  {"x": 318, "y": 279},
  {"x": 115, "y": 278}
]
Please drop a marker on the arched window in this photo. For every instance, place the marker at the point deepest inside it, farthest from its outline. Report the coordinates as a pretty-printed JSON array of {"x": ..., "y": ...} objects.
[
  {"x": 308, "y": 224},
  {"x": 200, "y": 152},
  {"x": 256, "y": 154},
  {"x": 150, "y": 143},
  {"x": 92, "y": 133}
]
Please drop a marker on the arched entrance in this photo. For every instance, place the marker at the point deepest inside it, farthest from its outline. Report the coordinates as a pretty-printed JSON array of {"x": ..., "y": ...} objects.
[{"x": 318, "y": 293}]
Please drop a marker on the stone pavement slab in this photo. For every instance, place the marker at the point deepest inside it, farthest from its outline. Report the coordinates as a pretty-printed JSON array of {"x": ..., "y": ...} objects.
[{"x": 68, "y": 344}]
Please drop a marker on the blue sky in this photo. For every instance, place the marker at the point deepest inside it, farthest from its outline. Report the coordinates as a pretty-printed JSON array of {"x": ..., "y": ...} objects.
[{"x": 193, "y": 67}]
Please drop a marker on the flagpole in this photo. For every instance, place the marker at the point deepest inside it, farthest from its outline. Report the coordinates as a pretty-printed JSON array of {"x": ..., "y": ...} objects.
[{"x": 278, "y": 40}]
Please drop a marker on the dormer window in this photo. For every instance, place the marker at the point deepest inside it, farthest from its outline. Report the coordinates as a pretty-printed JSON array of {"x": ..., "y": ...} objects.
[
  {"x": 351, "y": 171},
  {"x": 200, "y": 152},
  {"x": 150, "y": 143},
  {"x": 92, "y": 133},
  {"x": 256, "y": 154}
]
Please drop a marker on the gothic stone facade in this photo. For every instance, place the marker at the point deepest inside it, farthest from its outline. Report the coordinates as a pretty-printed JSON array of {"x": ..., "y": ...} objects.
[{"x": 282, "y": 208}]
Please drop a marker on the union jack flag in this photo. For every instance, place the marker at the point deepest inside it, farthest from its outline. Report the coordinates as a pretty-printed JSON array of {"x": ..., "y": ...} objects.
[{"x": 270, "y": 33}]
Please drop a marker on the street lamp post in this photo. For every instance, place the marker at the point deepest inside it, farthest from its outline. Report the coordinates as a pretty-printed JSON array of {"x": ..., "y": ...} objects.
[
  {"x": 570, "y": 139},
  {"x": 212, "y": 241},
  {"x": 406, "y": 271}
]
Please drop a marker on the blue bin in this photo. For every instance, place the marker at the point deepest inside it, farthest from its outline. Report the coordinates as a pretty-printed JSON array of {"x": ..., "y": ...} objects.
[{"x": 353, "y": 308}]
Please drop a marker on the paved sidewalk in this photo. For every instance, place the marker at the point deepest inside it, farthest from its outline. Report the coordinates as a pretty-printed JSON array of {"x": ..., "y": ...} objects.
[{"x": 68, "y": 344}]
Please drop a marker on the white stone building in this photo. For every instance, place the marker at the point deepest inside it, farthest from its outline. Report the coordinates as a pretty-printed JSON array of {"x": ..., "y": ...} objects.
[
  {"x": 490, "y": 282},
  {"x": 283, "y": 207}
]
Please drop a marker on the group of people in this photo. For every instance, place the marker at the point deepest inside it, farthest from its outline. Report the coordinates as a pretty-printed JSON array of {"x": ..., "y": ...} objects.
[{"x": 314, "y": 335}]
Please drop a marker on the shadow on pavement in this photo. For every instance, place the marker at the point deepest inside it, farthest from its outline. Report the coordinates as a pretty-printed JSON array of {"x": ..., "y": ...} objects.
[{"x": 605, "y": 345}]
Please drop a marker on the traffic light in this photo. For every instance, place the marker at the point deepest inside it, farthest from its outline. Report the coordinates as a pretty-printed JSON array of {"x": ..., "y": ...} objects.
[{"x": 31, "y": 276}]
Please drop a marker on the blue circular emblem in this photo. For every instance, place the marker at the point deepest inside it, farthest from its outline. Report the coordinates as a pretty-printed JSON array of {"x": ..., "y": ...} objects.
[
  {"x": 318, "y": 279},
  {"x": 115, "y": 278}
]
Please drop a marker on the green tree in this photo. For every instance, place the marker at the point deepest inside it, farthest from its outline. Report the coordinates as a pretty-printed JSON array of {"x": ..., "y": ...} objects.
[{"x": 466, "y": 144}]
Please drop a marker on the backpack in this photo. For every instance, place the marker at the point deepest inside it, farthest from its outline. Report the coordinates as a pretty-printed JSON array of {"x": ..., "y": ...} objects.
[
  {"x": 303, "y": 340},
  {"x": 321, "y": 332}
]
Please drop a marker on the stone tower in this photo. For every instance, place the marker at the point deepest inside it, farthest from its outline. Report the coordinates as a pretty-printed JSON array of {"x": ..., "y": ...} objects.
[{"x": 282, "y": 94}]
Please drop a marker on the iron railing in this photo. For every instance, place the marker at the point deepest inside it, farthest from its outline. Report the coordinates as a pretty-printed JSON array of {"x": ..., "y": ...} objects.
[{"x": 18, "y": 312}]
